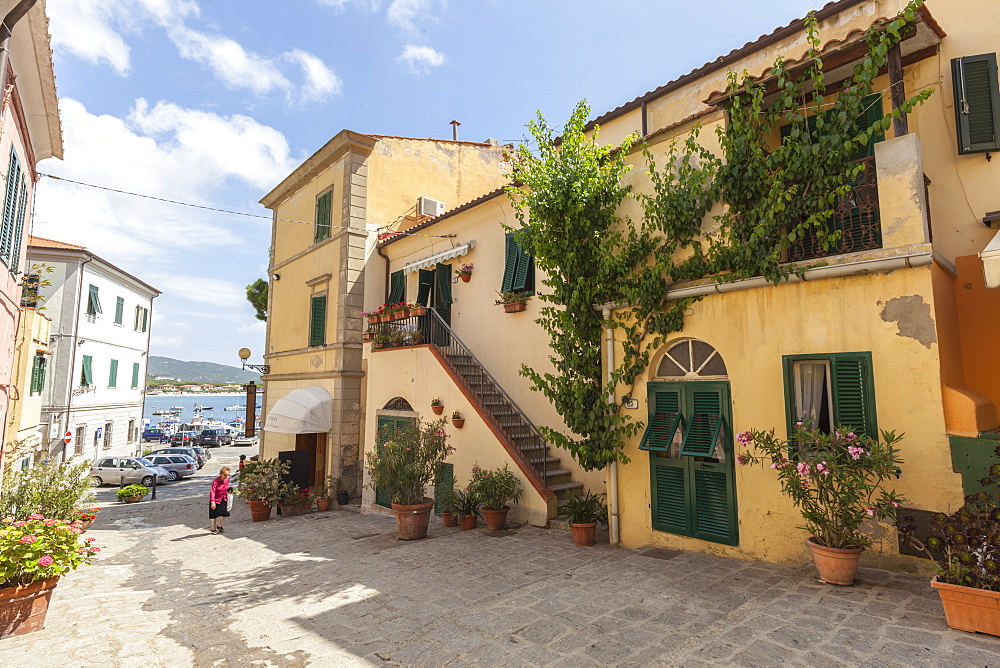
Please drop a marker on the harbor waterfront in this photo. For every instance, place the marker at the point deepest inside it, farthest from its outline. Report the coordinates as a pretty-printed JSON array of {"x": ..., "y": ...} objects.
[{"x": 187, "y": 402}]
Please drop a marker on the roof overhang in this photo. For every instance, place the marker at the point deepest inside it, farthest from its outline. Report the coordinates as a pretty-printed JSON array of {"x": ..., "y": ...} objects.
[
  {"x": 990, "y": 257},
  {"x": 432, "y": 260},
  {"x": 307, "y": 410},
  {"x": 31, "y": 62}
]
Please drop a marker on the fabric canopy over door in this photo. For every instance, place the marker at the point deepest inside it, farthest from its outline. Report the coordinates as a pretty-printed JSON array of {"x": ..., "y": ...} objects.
[{"x": 302, "y": 411}]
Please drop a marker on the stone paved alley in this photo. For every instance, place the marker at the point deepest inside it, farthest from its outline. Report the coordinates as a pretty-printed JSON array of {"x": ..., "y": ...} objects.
[{"x": 335, "y": 588}]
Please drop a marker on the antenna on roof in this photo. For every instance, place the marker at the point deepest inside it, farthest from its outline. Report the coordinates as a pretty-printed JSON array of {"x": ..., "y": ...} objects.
[{"x": 454, "y": 130}]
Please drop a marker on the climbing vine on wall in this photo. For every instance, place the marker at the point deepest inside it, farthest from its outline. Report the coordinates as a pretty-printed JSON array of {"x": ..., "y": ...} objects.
[{"x": 773, "y": 193}]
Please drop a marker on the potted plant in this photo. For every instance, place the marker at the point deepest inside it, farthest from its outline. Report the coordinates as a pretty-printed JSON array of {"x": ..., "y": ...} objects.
[
  {"x": 295, "y": 500},
  {"x": 403, "y": 465},
  {"x": 343, "y": 496},
  {"x": 467, "y": 507},
  {"x": 457, "y": 419},
  {"x": 583, "y": 514},
  {"x": 324, "y": 495},
  {"x": 449, "y": 508},
  {"x": 34, "y": 553},
  {"x": 132, "y": 493},
  {"x": 837, "y": 481},
  {"x": 495, "y": 489},
  {"x": 513, "y": 302},
  {"x": 262, "y": 486},
  {"x": 55, "y": 490},
  {"x": 465, "y": 272},
  {"x": 965, "y": 549},
  {"x": 86, "y": 517},
  {"x": 437, "y": 406}
]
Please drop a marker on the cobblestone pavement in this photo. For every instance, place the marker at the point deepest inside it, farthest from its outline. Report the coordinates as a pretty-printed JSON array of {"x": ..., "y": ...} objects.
[{"x": 335, "y": 588}]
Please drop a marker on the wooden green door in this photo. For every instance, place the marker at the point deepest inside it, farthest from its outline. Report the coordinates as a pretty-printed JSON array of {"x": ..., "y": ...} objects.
[
  {"x": 387, "y": 422},
  {"x": 690, "y": 445}
]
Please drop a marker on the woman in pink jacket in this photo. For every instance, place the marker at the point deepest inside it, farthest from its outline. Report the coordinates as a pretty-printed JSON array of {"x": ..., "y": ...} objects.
[{"x": 218, "y": 500}]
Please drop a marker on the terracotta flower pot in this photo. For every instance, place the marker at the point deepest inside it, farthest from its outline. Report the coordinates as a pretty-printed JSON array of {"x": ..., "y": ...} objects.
[
  {"x": 465, "y": 277},
  {"x": 458, "y": 422},
  {"x": 437, "y": 408},
  {"x": 835, "y": 565},
  {"x": 132, "y": 499},
  {"x": 583, "y": 534},
  {"x": 449, "y": 519},
  {"x": 22, "y": 609},
  {"x": 469, "y": 522},
  {"x": 259, "y": 511},
  {"x": 412, "y": 520},
  {"x": 86, "y": 524},
  {"x": 322, "y": 504},
  {"x": 495, "y": 519},
  {"x": 515, "y": 308},
  {"x": 970, "y": 609}
]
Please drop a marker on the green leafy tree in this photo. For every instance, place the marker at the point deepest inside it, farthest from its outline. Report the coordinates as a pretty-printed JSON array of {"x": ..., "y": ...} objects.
[{"x": 257, "y": 296}]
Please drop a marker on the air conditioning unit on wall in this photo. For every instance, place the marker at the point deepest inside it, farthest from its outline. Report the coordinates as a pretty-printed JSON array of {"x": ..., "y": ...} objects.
[{"x": 429, "y": 207}]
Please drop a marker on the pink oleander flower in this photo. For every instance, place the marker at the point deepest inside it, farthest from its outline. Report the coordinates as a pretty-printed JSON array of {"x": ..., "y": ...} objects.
[
  {"x": 46, "y": 561},
  {"x": 798, "y": 424},
  {"x": 870, "y": 512},
  {"x": 742, "y": 459},
  {"x": 895, "y": 504},
  {"x": 744, "y": 438},
  {"x": 28, "y": 538},
  {"x": 36, "y": 516},
  {"x": 775, "y": 465},
  {"x": 803, "y": 468},
  {"x": 852, "y": 436},
  {"x": 855, "y": 452}
]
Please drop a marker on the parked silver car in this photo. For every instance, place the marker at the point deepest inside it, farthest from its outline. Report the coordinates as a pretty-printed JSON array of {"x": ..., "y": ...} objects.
[
  {"x": 178, "y": 466},
  {"x": 193, "y": 453},
  {"x": 135, "y": 470},
  {"x": 243, "y": 440}
]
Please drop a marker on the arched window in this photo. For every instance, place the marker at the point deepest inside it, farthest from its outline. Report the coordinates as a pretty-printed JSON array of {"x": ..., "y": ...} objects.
[{"x": 691, "y": 359}]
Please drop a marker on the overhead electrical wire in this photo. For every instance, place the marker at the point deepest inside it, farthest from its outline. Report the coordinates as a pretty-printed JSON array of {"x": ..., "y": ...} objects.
[{"x": 228, "y": 211}]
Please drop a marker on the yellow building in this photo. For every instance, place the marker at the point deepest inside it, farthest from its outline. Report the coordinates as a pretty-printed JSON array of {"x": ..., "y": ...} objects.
[
  {"x": 892, "y": 331},
  {"x": 31, "y": 360},
  {"x": 327, "y": 216}
]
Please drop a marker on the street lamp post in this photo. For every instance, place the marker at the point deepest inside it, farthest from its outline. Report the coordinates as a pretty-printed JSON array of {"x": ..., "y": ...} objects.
[{"x": 251, "y": 389}]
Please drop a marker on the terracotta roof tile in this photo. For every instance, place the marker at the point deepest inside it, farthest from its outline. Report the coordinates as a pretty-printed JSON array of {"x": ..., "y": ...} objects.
[{"x": 39, "y": 242}]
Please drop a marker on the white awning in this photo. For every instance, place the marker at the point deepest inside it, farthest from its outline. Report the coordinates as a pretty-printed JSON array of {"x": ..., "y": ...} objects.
[
  {"x": 304, "y": 411},
  {"x": 990, "y": 258},
  {"x": 438, "y": 257}
]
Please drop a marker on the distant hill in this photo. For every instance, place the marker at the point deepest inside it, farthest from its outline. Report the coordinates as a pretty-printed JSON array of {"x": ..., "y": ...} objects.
[{"x": 199, "y": 372}]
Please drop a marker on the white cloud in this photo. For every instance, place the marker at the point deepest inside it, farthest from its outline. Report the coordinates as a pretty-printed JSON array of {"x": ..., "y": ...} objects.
[
  {"x": 229, "y": 61},
  {"x": 371, "y": 5},
  {"x": 84, "y": 30},
  {"x": 405, "y": 14},
  {"x": 420, "y": 59},
  {"x": 201, "y": 289},
  {"x": 320, "y": 81}
]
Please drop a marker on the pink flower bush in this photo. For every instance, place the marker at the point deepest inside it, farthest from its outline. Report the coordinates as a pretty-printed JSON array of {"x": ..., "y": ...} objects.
[
  {"x": 40, "y": 548},
  {"x": 46, "y": 561}
]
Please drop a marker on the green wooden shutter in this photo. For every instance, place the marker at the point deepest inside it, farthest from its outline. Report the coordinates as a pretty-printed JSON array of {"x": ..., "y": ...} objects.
[
  {"x": 317, "y": 321},
  {"x": 443, "y": 284},
  {"x": 135, "y": 375},
  {"x": 145, "y": 318},
  {"x": 8, "y": 221},
  {"x": 397, "y": 287},
  {"x": 87, "y": 372},
  {"x": 664, "y": 421},
  {"x": 34, "y": 375},
  {"x": 512, "y": 253},
  {"x": 119, "y": 310},
  {"x": 43, "y": 364},
  {"x": 444, "y": 482},
  {"x": 977, "y": 103},
  {"x": 715, "y": 507},
  {"x": 93, "y": 301},
  {"x": 15, "y": 251},
  {"x": 424, "y": 285},
  {"x": 705, "y": 425},
  {"x": 854, "y": 393},
  {"x": 669, "y": 497},
  {"x": 524, "y": 275},
  {"x": 323, "y": 216},
  {"x": 113, "y": 375},
  {"x": 871, "y": 111}
]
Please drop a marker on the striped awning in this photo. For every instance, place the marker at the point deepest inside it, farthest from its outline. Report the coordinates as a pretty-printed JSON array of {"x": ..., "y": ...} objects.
[{"x": 432, "y": 260}]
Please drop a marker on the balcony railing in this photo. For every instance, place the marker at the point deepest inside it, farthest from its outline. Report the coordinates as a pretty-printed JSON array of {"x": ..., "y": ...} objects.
[{"x": 856, "y": 216}]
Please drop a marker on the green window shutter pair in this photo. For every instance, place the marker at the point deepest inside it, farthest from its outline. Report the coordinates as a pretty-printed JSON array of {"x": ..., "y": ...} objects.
[
  {"x": 444, "y": 482},
  {"x": 518, "y": 268},
  {"x": 87, "y": 372},
  {"x": 38, "y": 366},
  {"x": 397, "y": 287},
  {"x": 93, "y": 301},
  {"x": 141, "y": 318},
  {"x": 317, "y": 321},
  {"x": 135, "y": 375},
  {"x": 977, "y": 103},
  {"x": 119, "y": 310},
  {"x": 113, "y": 375},
  {"x": 852, "y": 387},
  {"x": 324, "y": 215},
  {"x": 424, "y": 285},
  {"x": 12, "y": 220}
]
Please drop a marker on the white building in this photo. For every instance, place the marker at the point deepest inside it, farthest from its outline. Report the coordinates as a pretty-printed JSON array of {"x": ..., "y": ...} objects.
[{"x": 100, "y": 344}]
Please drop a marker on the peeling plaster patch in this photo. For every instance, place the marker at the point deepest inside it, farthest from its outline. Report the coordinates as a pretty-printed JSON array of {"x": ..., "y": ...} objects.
[{"x": 913, "y": 318}]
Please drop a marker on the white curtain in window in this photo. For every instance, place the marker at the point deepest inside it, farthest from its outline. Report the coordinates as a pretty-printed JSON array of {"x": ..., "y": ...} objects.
[{"x": 810, "y": 383}]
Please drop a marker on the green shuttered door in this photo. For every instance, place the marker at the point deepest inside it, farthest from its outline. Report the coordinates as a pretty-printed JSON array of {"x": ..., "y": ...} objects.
[
  {"x": 694, "y": 491},
  {"x": 382, "y": 498}
]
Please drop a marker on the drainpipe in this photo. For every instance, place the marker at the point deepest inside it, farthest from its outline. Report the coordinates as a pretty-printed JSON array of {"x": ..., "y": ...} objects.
[
  {"x": 609, "y": 344},
  {"x": 6, "y": 28},
  {"x": 72, "y": 355},
  {"x": 385, "y": 295}
]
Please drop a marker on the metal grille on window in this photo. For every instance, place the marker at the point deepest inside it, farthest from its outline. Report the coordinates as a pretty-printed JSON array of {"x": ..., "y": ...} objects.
[
  {"x": 398, "y": 404},
  {"x": 691, "y": 359}
]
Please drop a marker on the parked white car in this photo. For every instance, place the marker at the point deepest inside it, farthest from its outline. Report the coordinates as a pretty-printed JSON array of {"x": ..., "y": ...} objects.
[{"x": 245, "y": 441}]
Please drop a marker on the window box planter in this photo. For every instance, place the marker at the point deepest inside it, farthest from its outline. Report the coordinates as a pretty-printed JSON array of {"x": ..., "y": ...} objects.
[{"x": 516, "y": 307}]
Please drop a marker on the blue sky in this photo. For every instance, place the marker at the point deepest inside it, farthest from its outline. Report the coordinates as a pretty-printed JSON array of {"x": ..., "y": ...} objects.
[{"x": 214, "y": 102}]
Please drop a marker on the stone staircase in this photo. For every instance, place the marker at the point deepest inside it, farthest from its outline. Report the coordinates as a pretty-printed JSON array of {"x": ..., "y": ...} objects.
[{"x": 507, "y": 419}]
